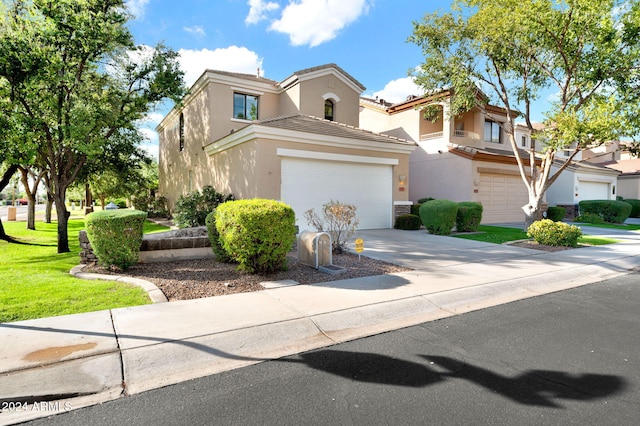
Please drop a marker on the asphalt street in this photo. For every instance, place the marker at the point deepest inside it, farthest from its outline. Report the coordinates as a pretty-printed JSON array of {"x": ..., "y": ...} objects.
[{"x": 571, "y": 357}]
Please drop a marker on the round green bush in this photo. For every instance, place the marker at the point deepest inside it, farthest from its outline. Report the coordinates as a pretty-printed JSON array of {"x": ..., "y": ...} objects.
[
  {"x": 469, "y": 216},
  {"x": 635, "y": 207},
  {"x": 214, "y": 237},
  {"x": 439, "y": 216},
  {"x": 612, "y": 211},
  {"x": 256, "y": 233},
  {"x": 116, "y": 236},
  {"x": 593, "y": 218},
  {"x": 552, "y": 233},
  {"x": 408, "y": 222},
  {"x": 556, "y": 213}
]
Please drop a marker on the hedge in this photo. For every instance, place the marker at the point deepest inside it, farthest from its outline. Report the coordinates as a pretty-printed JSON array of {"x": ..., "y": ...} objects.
[
  {"x": 635, "y": 207},
  {"x": 556, "y": 213},
  {"x": 469, "y": 216},
  {"x": 408, "y": 222},
  {"x": 256, "y": 233},
  {"x": 116, "y": 236},
  {"x": 439, "y": 216},
  {"x": 214, "y": 237},
  {"x": 612, "y": 211}
]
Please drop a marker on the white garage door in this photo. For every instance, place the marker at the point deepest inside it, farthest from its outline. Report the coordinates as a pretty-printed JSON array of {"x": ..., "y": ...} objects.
[
  {"x": 593, "y": 190},
  {"x": 502, "y": 198},
  {"x": 309, "y": 184}
]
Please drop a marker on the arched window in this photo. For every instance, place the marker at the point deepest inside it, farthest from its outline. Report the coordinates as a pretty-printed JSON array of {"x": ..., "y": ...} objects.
[{"x": 328, "y": 109}]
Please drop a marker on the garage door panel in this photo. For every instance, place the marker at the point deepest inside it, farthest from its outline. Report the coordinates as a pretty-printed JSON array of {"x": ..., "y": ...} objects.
[
  {"x": 589, "y": 190},
  {"x": 310, "y": 184},
  {"x": 502, "y": 198}
]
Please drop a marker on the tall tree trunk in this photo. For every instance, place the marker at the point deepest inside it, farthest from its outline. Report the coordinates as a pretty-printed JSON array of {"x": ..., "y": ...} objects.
[
  {"x": 63, "y": 219},
  {"x": 6, "y": 178},
  {"x": 31, "y": 205},
  {"x": 48, "y": 208},
  {"x": 532, "y": 211}
]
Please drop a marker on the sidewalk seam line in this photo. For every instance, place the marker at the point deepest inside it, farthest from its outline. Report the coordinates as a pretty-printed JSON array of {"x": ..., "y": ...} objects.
[{"x": 123, "y": 381}]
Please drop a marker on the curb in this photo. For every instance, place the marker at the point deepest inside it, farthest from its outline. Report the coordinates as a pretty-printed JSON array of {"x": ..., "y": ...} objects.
[{"x": 155, "y": 294}]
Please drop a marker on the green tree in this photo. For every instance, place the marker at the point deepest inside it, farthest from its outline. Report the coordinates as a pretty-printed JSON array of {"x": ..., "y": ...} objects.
[
  {"x": 513, "y": 50},
  {"x": 73, "y": 74}
]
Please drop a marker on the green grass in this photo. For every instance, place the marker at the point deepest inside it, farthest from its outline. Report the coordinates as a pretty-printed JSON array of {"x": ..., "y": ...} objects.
[
  {"x": 495, "y": 234},
  {"x": 499, "y": 235},
  {"x": 628, "y": 227},
  {"x": 35, "y": 280}
]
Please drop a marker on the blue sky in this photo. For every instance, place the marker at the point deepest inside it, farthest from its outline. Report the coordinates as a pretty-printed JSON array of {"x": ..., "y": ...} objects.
[{"x": 367, "y": 38}]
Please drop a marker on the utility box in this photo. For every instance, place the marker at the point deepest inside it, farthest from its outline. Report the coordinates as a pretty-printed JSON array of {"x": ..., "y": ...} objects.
[{"x": 314, "y": 249}]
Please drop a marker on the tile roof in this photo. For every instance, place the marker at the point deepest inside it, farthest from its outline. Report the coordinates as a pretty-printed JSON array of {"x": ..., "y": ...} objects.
[
  {"x": 243, "y": 76},
  {"x": 328, "y": 66},
  {"x": 310, "y": 124}
]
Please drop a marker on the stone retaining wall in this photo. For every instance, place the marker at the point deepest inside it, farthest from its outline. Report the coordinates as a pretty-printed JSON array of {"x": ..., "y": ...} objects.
[{"x": 181, "y": 244}]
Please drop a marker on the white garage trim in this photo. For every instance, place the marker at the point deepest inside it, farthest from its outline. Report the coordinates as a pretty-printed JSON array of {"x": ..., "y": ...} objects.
[{"x": 327, "y": 156}]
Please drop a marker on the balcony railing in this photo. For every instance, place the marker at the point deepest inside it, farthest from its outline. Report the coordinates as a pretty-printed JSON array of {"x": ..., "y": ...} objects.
[{"x": 456, "y": 134}]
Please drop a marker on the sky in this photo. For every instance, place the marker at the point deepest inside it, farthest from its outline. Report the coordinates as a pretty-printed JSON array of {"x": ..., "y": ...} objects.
[{"x": 366, "y": 38}]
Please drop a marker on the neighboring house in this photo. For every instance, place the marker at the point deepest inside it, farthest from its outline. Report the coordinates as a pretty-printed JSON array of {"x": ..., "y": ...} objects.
[
  {"x": 467, "y": 158},
  {"x": 615, "y": 156},
  {"x": 296, "y": 140}
]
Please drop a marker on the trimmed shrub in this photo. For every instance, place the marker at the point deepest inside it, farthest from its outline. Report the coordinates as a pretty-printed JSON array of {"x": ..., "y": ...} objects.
[
  {"x": 408, "y": 222},
  {"x": 415, "y": 209},
  {"x": 552, "y": 233},
  {"x": 116, "y": 236},
  {"x": 154, "y": 206},
  {"x": 214, "y": 237},
  {"x": 596, "y": 219},
  {"x": 192, "y": 209},
  {"x": 635, "y": 207},
  {"x": 439, "y": 216},
  {"x": 256, "y": 233},
  {"x": 555, "y": 213},
  {"x": 338, "y": 219},
  {"x": 612, "y": 211},
  {"x": 424, "y": 200},
  {"x": 469, "y": 216},
  {"x": 121, "y": 203}
]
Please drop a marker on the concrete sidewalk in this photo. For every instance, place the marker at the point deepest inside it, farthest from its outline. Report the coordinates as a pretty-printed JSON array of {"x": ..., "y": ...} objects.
[{"x": 53, "y": 364}]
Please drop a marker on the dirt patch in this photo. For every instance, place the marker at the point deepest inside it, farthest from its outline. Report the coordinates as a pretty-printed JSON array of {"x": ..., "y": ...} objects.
[{"x": 193, "y": 279}]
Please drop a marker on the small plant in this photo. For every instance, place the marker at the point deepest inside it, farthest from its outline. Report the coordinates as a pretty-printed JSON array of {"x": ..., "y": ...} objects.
[
  {"x": 256, "y": 233},
  {"x": 154, "y": 206},
  {"x": 338, "y": 219},
  {"x": 192, "y": 209},
  {"x": 116, "y": 236},
  {"x": 552, "y": 233},
  {"x": 469, "y": 216},
  {"x": 439, "y": 216},
  {"x": 408, "y": 222},
  {"x": 555, "y": 213},
  {"x": 424, "y": 200}
]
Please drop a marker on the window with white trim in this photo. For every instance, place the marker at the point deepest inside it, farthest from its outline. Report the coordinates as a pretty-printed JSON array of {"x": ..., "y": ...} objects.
[
  {"x": 328, "y": 109},
  {"x": 245, "y": 107},
  {"x": 492, "y": 132}
]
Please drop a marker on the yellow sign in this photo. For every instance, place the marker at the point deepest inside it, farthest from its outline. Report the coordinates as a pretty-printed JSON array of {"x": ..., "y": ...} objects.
[{"x": 359, "y": 245}]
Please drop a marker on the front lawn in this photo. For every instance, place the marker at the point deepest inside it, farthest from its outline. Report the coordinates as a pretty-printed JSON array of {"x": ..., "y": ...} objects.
[
  {"x": 35, "y": 280},
  {"x": 499, "y": 235}
]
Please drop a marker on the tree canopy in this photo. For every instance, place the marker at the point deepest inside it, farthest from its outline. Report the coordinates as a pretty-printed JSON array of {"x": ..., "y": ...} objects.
[
  {"x": 510, "y": 52},
  {"x": 73, "y": 85}
]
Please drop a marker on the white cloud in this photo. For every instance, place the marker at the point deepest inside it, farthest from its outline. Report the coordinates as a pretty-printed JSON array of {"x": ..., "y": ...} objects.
[
  {"x": 196, "y": 30},
  {"x": 232, "y": 58},
  {"x": 397, "y": 90},
  {"x": 258, "y": 10},
  {"x": 314, "y": 22},
  {"x": 151, "y": 144},
  {"x": 137, "y": 7}
]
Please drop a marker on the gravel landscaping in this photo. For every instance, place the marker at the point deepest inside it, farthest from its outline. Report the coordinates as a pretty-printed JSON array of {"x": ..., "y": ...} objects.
[{"x": 193, "y": 279}]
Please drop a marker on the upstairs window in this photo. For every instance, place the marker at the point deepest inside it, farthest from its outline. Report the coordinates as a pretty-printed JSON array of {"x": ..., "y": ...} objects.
[
  {"x": 524, "y": 141},
  {"x": 328, "y": 110},
  {"x": 181, "y": 130},
  {"x": 245, "y": 107},
  {"x": 492, "y": 132}
]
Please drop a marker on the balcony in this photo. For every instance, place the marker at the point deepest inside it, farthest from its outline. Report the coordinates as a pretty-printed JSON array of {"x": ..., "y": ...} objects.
[{"x": 463, "y": 134}]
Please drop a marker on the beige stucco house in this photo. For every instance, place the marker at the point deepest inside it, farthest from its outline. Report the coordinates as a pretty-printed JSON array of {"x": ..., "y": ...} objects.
[
  {"x": 466, "y": 158},
  {"x": 296, "y": 140}
]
